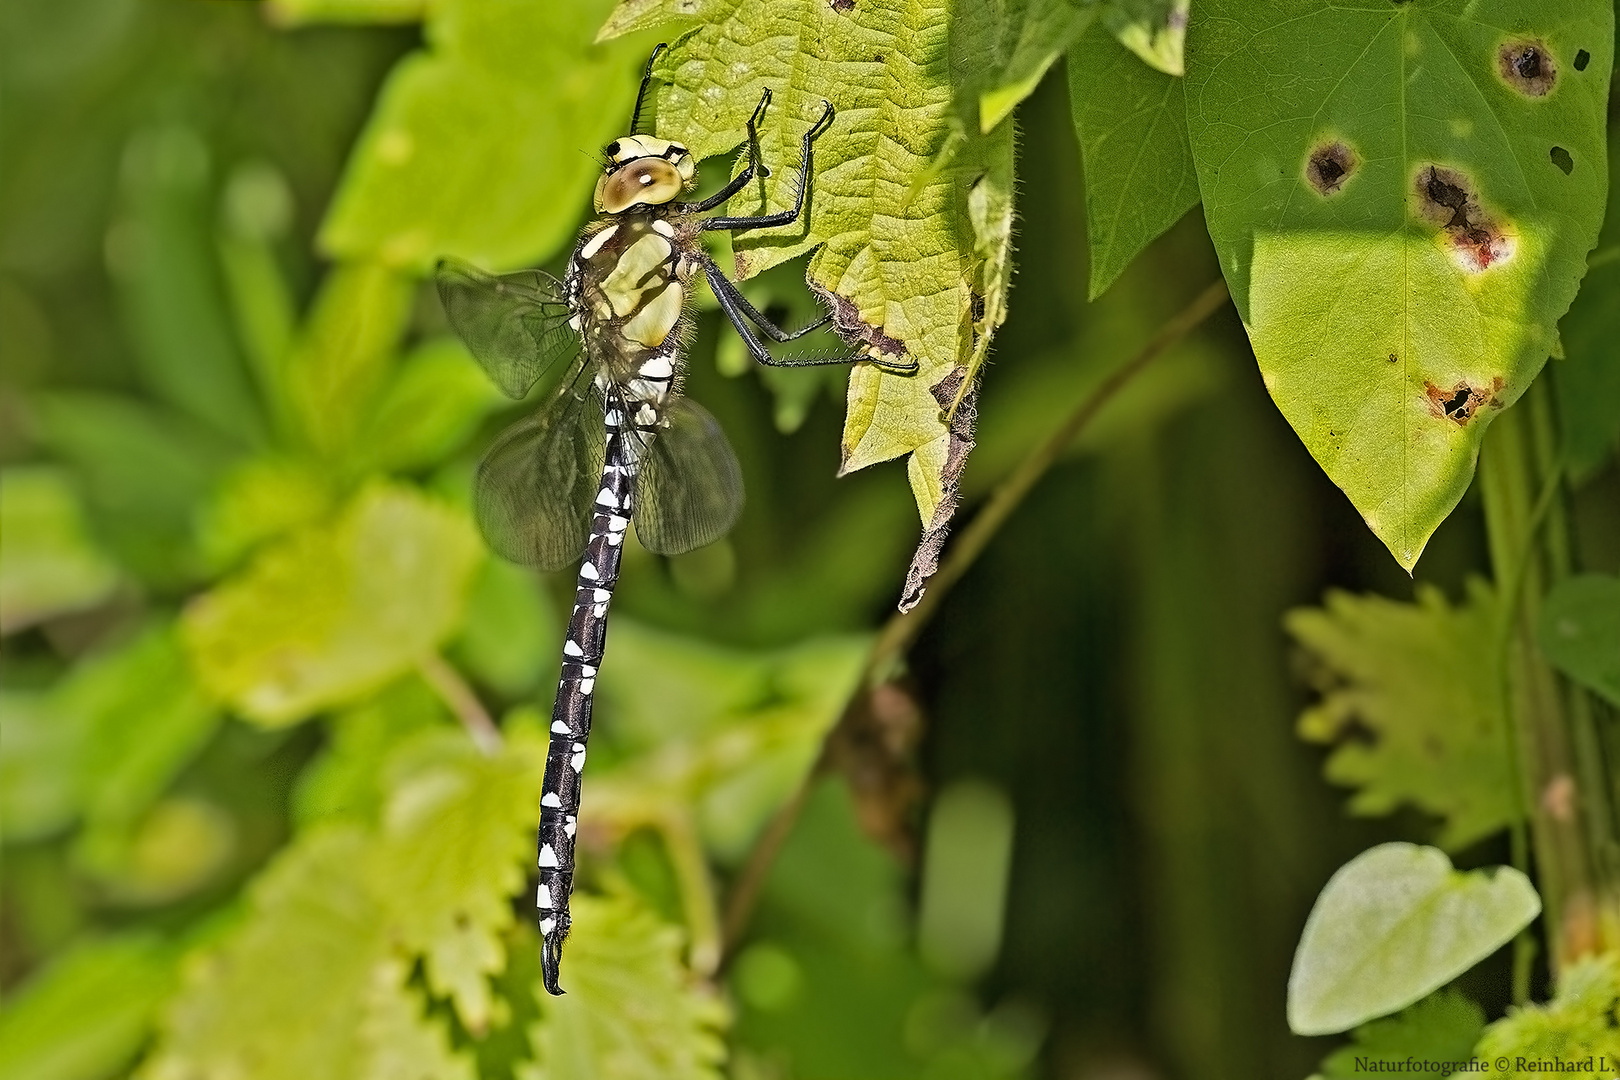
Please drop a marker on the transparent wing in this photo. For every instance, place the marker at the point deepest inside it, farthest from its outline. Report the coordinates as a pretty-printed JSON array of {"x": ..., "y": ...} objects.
[
  {"x": 689, "y": 491},
  {"x": 535, "y": 486},
  {"x": 515, "y": 324}
]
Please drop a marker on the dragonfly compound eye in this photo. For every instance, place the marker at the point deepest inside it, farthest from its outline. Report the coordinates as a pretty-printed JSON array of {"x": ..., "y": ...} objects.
[{"x": 649, "y": 181}]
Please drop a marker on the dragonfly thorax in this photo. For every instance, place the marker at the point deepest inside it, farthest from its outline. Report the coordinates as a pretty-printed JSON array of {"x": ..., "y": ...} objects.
[{"x": 627, "y": 289}]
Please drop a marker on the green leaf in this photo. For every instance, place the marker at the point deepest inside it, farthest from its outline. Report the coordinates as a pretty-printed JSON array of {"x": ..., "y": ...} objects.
[
  {"x": 510, "y": 641},
  {"x": 1580, "y": 1023},
  {"x": 40, "y": 756},
  {"x": 889, "y": 218},
  {"x": 632, "y": 1008},
  {"x": 1442, "y": 1027},
  {"x": 262, "y": 499},
  {"x": 336, "y": 611},
  {"x": 48, "y": 564},
  {"x": 1580, "y": 632},
  {"x": 1155, "y": 30},
  {"x": 306, "y": 988},
  {"x": 1392, "y": 925},
  {"x": 1411, "y": 697},
  {"x": 363, "y": 12},
  {"x": 1031, "y": 41},
  {"x": 1394, "y": 315},
  {"x": 475, "y": 146},
  {"x": 726, "y": 732},
  {"x": 85, "y": 1015},
  {"x": 432, "y": 406},
  {"x": 1132, "y": 125},
  {"x": 455, "y": 844},
  {"x": 1588, "y": 378}
]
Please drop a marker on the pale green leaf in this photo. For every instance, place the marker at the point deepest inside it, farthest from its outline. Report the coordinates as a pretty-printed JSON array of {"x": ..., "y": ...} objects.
[
  {"x": 1132, "y": 125},
  {"x": 482, "y": 146},
  {"x": 259, "y": 500},
  {"x": 632, "y": 1009},
  {"x": 511, "y": 640},
  {"x": 85, "y": 1015},
  {"x": 1580, "y": 632},
  {"x": 1034, "y": 34},
  {"x": 1395, "y": 309},
  {"x": 727, "y": 733},
  {"x": 1392, "y": 925},
  {"x": 1442, "y": 1027},
  {"x": 1408, "y": 697},
  {"x": 306, "y": 988},
  {"x": 48, "y": 564},
  {"x": 1580, "y": 1024},
  {"x": 345, "y": 782},
  {"x": 337, "y": 610},
  {"x": 432, "y": 406},
  {"x": 889, "y": 220},
  {"x": 1155, "y": 30},
  {"x": 455, "y": 844}
]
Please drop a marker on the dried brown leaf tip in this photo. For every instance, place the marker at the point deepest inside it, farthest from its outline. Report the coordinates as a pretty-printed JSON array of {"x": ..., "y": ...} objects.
[
  {"x": 1527, "y": 67},
  {"x": 1329, "y": 165},
  {"x": 926, "y": 558},
  {"x": 847, "y": 321},
  {"x": 1462, "y": 401},
  {"x": 1446, "y": 199}
]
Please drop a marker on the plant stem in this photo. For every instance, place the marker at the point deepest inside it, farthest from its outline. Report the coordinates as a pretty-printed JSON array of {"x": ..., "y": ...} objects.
[
  {"x": 902, "y": 630},
  {"x": 460, "y": 699}
]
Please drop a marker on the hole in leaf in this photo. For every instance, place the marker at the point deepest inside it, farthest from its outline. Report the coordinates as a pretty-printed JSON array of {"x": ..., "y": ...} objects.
[
  {"x": 1329, "y": 166},
  {"x": 843, "y": 5},
  {"x": 1462, "y": 401},
  {"x": 1560, "y": 157},
  {"x": 1582, "y": 58},
  {"x": 1527, "y": 67}
]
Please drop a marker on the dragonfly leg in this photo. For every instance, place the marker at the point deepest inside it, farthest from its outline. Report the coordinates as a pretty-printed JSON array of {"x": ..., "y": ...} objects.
[
  {"x": 740, "y": 313},
  {"x": 785, "y": 217},
  {"x": 740, "y": 181}
]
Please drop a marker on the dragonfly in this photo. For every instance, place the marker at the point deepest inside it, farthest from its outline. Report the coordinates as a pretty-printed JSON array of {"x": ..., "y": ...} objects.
[{"x": 616, "y": 441}]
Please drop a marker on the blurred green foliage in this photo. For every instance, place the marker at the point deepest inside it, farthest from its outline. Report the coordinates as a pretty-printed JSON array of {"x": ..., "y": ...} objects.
[{"x": 271, "y": 717}]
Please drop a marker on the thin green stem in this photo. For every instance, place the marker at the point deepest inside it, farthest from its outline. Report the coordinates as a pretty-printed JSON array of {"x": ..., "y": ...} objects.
[{"x": 445, "y": 681}]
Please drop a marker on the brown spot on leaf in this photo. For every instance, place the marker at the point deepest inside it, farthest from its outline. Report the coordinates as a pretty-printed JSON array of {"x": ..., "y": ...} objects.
[
  {"x": 926, "y": 558},
  {"x": 846, "y": 319},
  {"x": 1394, "y": 358},
  {"x": 1582, "y": 58},
  {"x": 1527, "y": 67},
  {"x": 1462, "y": 401},
  {"x": 1560, "y": 157},
  {"x": 1446, "y": 199},
  {"x": 843, "y": 5},
  {"x": 1329, "y": 166}
]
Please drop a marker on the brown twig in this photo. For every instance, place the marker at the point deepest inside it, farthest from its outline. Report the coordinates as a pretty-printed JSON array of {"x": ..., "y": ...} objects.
[{"x": 902, "y": 630}]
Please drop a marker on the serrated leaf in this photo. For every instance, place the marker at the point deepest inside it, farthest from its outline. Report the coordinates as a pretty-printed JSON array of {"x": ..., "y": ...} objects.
[
  {"x": 1580, "y": 632},
  {"x": 1580, "y": 1024},
  {"x": 337, "y": 610},
  {"x": 306, "y": 987},
  {"x": 85, "y": 1015},
  {"x": 1389, "y": 213},
  {"x": 1392, "y": 925},
  {"x": 1132, "y": 125},
  {"x": 474, "y": 148},
  {"x": 48, "y": 564},
  {"x": 888, "y": 215},
  {"x": 632, "y": 1009},
  {"x": 456, "y": 840},
  {"x": 1155, "y": 30},
  {"x": 725, "y": 732},
  {"x": 1411, "y": 697},
  {"x": 1442, "y": 1027}
]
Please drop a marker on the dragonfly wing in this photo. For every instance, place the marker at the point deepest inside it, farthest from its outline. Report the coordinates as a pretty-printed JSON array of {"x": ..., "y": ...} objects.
[
  {"x": 689, "y": 490},
  {"x": 516, "y": 325},
  {"x": 535, "y": 486}
]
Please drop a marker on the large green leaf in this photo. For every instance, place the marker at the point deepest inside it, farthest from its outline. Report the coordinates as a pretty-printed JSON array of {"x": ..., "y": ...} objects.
[
  {"x": 632, "y": 1009},
  {"x": 1132, "y": 125},
  {"x": 1393, "y": 924},
  {"x": 1580, "y": 1024},
  {"x": 896, "y": 242},
  {"x": 481, "y": 146},
  {"x": 48, "y": 565},
  {"x": 1407, "y": 701},
  {"x": 1394, "y": 220},
  {"x": 85, "y": 1015},
  {"x": 1588, "y": 378},
  {"x": 306, "y": 988},
  {"x": 338, "y": 610},
  {"x": 1580, "y": 632}
]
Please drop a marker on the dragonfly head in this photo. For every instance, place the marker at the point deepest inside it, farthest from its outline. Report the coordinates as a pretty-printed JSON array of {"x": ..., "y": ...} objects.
[{"x": 641, "y": 170}]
